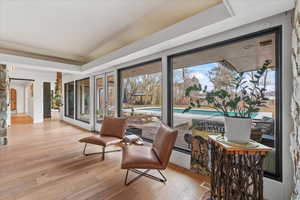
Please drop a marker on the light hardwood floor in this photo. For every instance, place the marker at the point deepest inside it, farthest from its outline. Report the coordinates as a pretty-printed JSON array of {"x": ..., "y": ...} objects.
[
  {"x": 21, "y": 119},
  {"x": 45, "y": 161}
]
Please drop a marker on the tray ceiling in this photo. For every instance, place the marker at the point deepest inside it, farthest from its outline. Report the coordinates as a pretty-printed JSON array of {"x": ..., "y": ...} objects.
[{"x": 76, "y": 31}]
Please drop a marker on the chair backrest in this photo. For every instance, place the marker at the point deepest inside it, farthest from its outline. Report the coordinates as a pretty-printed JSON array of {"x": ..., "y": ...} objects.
[
  {"x": 163, "y": 143},
  {"x": 113, "y": 127}
]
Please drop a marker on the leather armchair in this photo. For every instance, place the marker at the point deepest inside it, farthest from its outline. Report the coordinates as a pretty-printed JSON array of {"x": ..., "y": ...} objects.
[
  {"x": 112, "y": 133},
  {"x": 156, "y": 157}
]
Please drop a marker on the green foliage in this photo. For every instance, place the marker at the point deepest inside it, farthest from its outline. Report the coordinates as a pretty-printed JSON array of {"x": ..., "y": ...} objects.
[
  {"x": 98, "y": 112},
  {"x": 244, "y": 98},
  {"x": 57, "y": 99}
]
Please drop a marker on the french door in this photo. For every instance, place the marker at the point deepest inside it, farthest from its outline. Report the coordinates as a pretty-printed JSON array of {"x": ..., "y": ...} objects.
[{"x": 105, "y": 102}]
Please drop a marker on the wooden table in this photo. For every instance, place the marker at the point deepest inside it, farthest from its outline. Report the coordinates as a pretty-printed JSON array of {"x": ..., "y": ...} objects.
[{"x": 237, "y": 170}]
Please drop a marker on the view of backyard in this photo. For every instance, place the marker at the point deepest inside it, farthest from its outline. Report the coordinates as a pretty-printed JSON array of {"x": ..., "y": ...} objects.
[
  {"x": 141, "y": 99},
  {"x": 141, "y": 92}
]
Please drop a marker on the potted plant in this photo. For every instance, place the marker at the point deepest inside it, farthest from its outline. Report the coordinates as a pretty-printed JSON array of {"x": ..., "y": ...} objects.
[
  {"x": 99, "y": 113},
  {"x": 237, "y": 104}
]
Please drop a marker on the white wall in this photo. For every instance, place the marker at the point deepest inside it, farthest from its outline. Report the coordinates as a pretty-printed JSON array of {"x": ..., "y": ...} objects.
[
  {"x": 39, "y": 78},
  {"x": 20, "y": 90},
  {"x": 26, "y": 96},
  {"x": 273, "y": 190},
  {"x": 90, "y": 125},
  {"x": 28, "y": 101}
]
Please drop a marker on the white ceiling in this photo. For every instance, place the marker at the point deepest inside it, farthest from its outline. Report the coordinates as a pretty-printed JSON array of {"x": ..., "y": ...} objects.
[
  {"x": 103, "y": 32},
  {"x": 83, "y": 30}
]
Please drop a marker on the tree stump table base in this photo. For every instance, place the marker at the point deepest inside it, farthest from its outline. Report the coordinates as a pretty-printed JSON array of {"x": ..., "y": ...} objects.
[{"x": 237, "y": 172}]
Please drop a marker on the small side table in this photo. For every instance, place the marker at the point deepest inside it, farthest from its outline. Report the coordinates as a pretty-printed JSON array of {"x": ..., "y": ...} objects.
[{"x": 237, "y": 169}]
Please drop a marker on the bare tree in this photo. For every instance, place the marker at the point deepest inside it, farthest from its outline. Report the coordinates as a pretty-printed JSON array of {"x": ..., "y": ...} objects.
[{"x": 221, "y": 77}]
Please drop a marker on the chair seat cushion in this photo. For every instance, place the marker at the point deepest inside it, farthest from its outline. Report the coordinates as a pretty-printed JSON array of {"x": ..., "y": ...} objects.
[
  {"x": 99, "y": 140},
  {"x": 139, "y": 157}
]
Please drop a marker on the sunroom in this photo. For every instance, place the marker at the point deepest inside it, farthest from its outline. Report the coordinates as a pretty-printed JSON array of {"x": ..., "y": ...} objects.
[{"x": 222, "y": 75}]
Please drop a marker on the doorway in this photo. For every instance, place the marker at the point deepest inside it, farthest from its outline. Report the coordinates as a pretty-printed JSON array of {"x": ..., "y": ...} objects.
[
  {"x": 105, "y": 98},
  {"x": 21, "y": 101},
  {"x": 47, "y": 99}
]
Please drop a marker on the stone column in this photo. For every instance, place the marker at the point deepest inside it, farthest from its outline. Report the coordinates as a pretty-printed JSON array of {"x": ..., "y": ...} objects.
[
  {"x": 58, "y": 92},
  {"x": 3, "y": 104},
  {"x": 295, "y": 104}
]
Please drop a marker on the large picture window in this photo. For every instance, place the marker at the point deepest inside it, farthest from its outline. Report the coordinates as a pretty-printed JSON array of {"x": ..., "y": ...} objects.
[
  {"x": 83, "y": 100},
  {"x": 69, "y": 99},
  {"x": 215, "y": 68},
  {"x": 141, "y": 97}
]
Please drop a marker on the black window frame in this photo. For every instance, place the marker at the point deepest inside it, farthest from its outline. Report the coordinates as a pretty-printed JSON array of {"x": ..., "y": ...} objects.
[
  {"x": 76, "y": 99},
  {"x": 277, "y": 30},
  {"x": 119, "y": 87},
  {"x": 65, "y": 100}
]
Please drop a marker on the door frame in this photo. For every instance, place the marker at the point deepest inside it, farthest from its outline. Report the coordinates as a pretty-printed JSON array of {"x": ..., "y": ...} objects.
[
  {"x": 9, "y": 100},
  {"x": 103, "y": 75}
]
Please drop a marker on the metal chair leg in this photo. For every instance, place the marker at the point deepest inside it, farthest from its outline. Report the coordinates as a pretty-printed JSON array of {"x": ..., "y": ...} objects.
[
  {"x": 103, "y": 152},
  {"x": 145, "y": 173},
  {"x": 126, "y": 177},
  {"x": 84, "y": 149},
  {"x": 164, "y": 178}
]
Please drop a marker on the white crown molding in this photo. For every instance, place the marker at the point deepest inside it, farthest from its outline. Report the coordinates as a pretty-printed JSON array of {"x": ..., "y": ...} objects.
[{"x": 37, "y": 64}]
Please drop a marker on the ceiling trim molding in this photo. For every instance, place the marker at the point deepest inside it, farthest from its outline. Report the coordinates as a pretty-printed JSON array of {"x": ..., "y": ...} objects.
[
  {"x": 40, "y": 56},
  {"x": 38, "y": 64}
]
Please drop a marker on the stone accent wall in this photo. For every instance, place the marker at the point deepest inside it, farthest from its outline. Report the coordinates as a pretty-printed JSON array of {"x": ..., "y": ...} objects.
[
  {"x": 3, "y": 104},
  {"x": 295, "y": 104},
  {"x": 59, "y": 82}
]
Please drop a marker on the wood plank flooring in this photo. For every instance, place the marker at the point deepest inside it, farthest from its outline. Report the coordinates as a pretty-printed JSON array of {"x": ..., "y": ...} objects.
[
  {"x": 45, "y": 162},
  {"x": 21, "y": 119}
]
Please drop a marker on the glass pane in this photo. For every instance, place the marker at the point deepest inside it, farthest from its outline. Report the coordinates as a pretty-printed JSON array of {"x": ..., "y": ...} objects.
[
  {"x": 100, "y": 99},
  {"x": 216, "y": 69},
  {"x": 111, "y": 108},
  {"x": 69, "y": 99},
  {"x": 83, "y": 100},
  {"x": 141, "y": 98}
]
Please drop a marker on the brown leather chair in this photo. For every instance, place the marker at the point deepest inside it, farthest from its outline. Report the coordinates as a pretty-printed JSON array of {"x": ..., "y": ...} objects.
[
  {"x": 156, "y": 157},
  {"x": 112, "y": 133}
]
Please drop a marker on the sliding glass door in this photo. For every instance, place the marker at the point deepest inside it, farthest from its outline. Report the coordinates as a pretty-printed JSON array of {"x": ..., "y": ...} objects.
[
  {"x": 69, "y": 99},
  {"x": 110, "y": 95},
  {"x": 83, "y": 100},
  {"x": 105, "y": 96}
]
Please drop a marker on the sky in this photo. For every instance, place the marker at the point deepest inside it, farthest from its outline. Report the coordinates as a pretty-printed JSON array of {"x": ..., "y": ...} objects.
[{"x": 201, "y": 73}]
